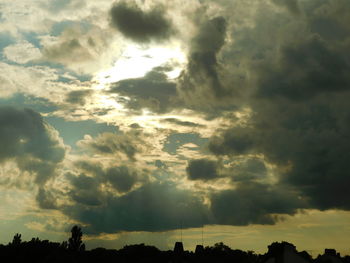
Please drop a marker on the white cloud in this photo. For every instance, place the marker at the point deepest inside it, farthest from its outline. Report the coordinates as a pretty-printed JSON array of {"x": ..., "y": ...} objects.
[{"x": 22, "y": 52}]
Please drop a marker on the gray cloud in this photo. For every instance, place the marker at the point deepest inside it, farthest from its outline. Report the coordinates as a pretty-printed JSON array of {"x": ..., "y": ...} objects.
[
  {"x": 153, "y": 207},
  {"x": 237, "y": 140},
  {"x": 202, "y": 169},
  {"x": 121, "y": 178},
  {"x": 69, "y": 50},
  {"x": 161, "y": 206},
  {"x": 202, "y": 75},
  {"x": 153, "y": 91},
  {"x": 111, "y": 143},
  {"x": 46, "y": 199},
  {"x": 250, "y": 169},
  {"x": 291, "y": 5},
  {"x": 80, "y": 47},
  {"x": 33, "y": 144},
  {"x": 78, "y": 96},
  {"x": 304, "y": 70},
  {"x": 253, "y": 203},
  {"x": 141, "y": 26},
  {"x": 182, "y": 123},
  {"x": 300, "y": 88},
  {"x": 85, "y": 190}
]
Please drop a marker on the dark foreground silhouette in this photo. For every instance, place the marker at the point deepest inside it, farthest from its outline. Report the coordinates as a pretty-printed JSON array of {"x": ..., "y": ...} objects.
[{"x": 38, "y": 251}]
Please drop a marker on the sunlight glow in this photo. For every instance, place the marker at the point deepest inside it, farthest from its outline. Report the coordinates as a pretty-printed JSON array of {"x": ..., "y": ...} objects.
[{"x": 135, "y": 62}]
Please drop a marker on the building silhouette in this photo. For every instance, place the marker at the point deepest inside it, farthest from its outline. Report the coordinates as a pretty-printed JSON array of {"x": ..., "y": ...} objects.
[
  {"x": 329, "y": 256},
  {"x": 178, "y": 248},
  {"x": 285, "y": 252}
]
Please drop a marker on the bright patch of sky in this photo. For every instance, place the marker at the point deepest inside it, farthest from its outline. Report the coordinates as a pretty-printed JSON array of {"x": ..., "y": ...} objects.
[
  {"x": 136, "y": 61},
  {"x": 71, "y": 132},
  {"x": 176, "y": 140}
]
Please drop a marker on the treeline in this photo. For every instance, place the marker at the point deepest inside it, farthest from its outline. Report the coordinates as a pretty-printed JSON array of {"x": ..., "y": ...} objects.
[{"x": 73, "y": 250}]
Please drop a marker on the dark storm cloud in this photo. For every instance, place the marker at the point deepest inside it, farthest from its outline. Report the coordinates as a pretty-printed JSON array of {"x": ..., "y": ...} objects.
[
  {"x": 311, "y": 139},
  {"x": 153, "y": 91},
  {"x": 25, "y": 138},
  {"x": 152, "y": 207},
  {"x": 253, "y": 203},
  {"x": 202, "y": 169},
  {"x": 305, "y": 70},
  {"x": 300, "y": 113},
  {"x": 237, "y": 140},
  {"x": 202, "y": 75},
  {"x": 138, "y": 25},
  {"x": 78, "y": 96},
  {"x": 162, "y": 206}
]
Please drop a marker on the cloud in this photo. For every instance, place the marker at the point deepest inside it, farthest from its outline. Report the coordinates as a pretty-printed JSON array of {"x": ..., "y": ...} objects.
[
  {"x": 175, "y": 140},
  {"x": 121, "y": 178},
  {"x": 85, "y": 190},
  {"x": 111, "y": 143},
  {"x": 287, "y": 75},
  {"x": 235, "y": 141},
  {"x": 33, "y": 144},
  {"x": 34, "y": 80},
  {"x": 141, "y": 26},
  {"x": 22, "y": 52},
  {"x": 291, "y": 5},
  {"x": 46, "y": 199},
  {"x": 182, "y": 123},
  {"x": 83, "y": 48},
  {"x": 78, "y": 96},
  {"x": 253, "y": 203},
  {"x": 152, "y": 207},
  {"x": 299, "y": 88},
  {"x": 306, "y": 69},
  {"x": 70, "y": 49},
  {"x": 250, "y": 169},
  {"x": 202, "y": 169},
  {"x": 202, "y": 77},
  {"x": 153, "y": 92}
]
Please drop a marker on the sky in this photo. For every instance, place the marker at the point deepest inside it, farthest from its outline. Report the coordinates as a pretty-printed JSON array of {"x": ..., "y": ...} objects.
[{"x": 153, "y": 121}]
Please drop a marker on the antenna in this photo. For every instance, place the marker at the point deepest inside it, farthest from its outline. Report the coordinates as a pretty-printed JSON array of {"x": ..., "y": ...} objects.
[
  {"x": 181, "y": 229},
  {"x": 202, "y": 235}
]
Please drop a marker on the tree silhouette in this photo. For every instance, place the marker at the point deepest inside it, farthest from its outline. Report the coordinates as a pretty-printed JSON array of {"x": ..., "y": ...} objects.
[
  {"x": 221, "y": 247},
  {"x": 16, "y": 240},
  {"x": 75, "y": 242}
]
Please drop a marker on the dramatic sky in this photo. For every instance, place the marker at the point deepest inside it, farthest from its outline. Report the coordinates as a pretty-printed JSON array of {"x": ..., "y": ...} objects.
[{"x": 135, "y": 119}]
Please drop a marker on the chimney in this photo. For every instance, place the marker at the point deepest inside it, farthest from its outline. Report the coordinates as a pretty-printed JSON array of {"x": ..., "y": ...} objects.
[{"x": 179, "y": 248}]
